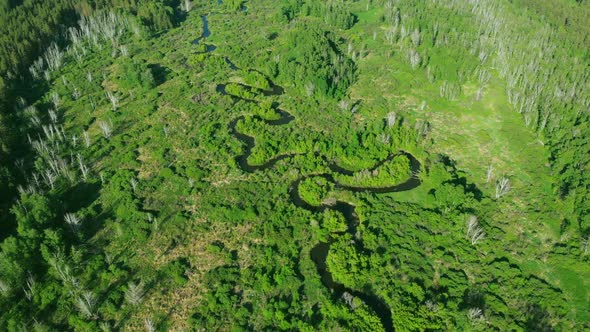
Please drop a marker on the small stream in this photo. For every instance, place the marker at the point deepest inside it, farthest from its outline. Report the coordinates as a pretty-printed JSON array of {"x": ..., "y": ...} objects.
[
  {"x": 242, "y": 159},
  {"x": 412, "y": 182},
  {"x": 209, "y": 48},
  {"x": 232, "y": 66},
  {"x": 320, "y": 251},
  {"x": 206, "y": 32}
]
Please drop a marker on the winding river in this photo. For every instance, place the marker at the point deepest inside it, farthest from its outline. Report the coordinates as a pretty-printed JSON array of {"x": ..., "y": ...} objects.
[
  {"x": 319, "y": 252},
  {"x": 206, "y": 32}
]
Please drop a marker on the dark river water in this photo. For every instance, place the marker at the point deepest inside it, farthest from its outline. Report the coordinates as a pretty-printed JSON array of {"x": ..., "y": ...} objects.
[
  {"x": 206, "y": 32},
  {"x": 320, "y": 251}
]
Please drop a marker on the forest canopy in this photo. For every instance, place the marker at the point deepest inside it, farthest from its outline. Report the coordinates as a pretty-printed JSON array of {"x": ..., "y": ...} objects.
[{"x": 372, "y": 165}]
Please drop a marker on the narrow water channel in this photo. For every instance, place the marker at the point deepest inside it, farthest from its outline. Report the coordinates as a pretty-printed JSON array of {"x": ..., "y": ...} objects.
[
  {"x": 320, "y": 251},
  {"x": 206, "y": 32}
]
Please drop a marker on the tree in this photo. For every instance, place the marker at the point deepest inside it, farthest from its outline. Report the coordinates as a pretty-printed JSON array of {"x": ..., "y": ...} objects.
[
  {"x": 135, "y": 74},
  {"x": 233, "y": 5},
  {"x": 86, "y": 304},
  {"x": 34, "y": 214},
  {"x": 134, "y": 294},
  {"x": 73, "y": 220},
  {"x": 311, "y": 57},
  {"x": 502, "y": 187},
  {"x": 156, "y": 15},
  {"x": 474, "y": 232},
  {"x": 106, "y": 129}
]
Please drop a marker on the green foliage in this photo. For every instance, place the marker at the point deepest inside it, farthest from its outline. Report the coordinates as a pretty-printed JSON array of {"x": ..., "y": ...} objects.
[
  {"x": 314, "y": 190},
  {"x": 289, "y": 9},
  {"x": 222, "y": 298},
  {"x": 28, "y": 28},
  {"x": 346, "y": 263},
  {"x": 311, "y": 60},
  {"x": 167, "y": 198},
  {"x": 135, "y": 74},
  {"x": 234, "y": 5},
  {"x": 256, "y": 79},
  {"x": 156, "y": 15},
  {"x": 241, "y": 91},
  {"x": 265, "y": 110},
  {"x": 176, "y": 272},
  {"x": 389, "y": 174},
  {"x": 12, "y": 272},
  {"x": 334, "y": 221},
  {"x": 33, "y": 215},
  {"x": 449, "y": 197},
  {"x": 335, "y": 13}
]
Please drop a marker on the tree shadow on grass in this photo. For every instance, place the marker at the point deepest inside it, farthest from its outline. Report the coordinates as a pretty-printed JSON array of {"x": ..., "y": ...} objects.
[
  {"x": 82, "y": 195},
  {"x": 537, "y": 319},
  {"x": 159, "y": 72}
]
